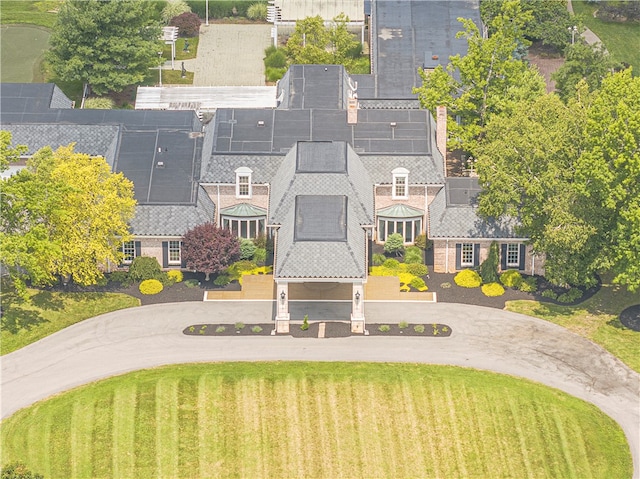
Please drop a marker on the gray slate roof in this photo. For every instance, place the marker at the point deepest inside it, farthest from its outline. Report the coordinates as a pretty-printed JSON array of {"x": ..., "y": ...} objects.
[
  {"x": 172, "y": 220},
  {"x": 461, "y": 220},
  {"x": 328, "y": 258}
]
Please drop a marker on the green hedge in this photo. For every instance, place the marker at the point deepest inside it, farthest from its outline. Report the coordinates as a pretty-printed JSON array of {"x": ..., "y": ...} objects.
[
  {"x": 511, "y": 278},
  {"x": 151, "y": 286},
  {"x": 468, "y": 278},
  {"x": 492, "y": 289}
]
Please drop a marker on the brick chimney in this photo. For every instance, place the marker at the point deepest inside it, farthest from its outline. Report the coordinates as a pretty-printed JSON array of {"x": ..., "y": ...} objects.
[
  {"x": 441, "y": 130},
  {"x": 352, "y": 111}
]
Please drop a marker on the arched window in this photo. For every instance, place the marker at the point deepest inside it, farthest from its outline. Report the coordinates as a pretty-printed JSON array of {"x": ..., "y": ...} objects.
[
  {"x": 400, "y": 184},
  {"x": 243, "y": 182}
]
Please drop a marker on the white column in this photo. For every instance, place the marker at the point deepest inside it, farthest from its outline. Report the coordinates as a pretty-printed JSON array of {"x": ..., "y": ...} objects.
[
  {"x": 357, "y": 308},
  {"x": 282, "y": 300}
]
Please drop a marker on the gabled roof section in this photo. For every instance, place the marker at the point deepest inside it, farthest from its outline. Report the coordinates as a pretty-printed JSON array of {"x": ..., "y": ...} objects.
[
  {"x": 31, "y": 97},
  {"x": 321, "y": 157},
  {"x": 172, "y": 220},
  {"x": 305, "y": 204},
  {"x": 399, "y": 211},
  {"x": 459, "y": 219},
  {"x": 243, "y": 210}
]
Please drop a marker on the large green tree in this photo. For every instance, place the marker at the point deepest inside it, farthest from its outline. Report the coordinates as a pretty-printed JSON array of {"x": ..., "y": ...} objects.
[
  {"x": 571, "y": 173},
  {"x": 314, "y": 43},
  {"x": 9, "y": 154},
  {"x": 488, "y": 80},
  {"x": 64, "y": 216},
  {"x": 107, "y": 44}
]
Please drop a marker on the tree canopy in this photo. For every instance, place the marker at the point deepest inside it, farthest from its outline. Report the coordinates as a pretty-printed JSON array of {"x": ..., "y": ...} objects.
[
  {"x": 571, "y": 173},
  {"x": 209, "y": 249},
  {"x": 9, "y": 154},
  {"x": 313, "y": 43},
  {"x": 64, "y": 216},
  {"x": 107, "y": 44},
  {"x": 488, "y": 80}
]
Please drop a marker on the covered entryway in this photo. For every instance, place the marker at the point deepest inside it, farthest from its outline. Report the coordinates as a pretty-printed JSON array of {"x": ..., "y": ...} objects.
[{"x": 320, "y": 301}]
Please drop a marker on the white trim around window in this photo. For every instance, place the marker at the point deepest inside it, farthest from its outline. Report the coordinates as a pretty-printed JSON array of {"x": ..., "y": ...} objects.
[
  {"x": 467, "y": 256},
  {"x": 409, "y": 228},
  {"x": 400, "y": 190},
  {"x": 174, "y": 253},
  {"x": 513, "y": 255},
  {"x": 129, "y": 251},
  {"x": 243, "y": 182},
  {"x": 248, "y": 228}
]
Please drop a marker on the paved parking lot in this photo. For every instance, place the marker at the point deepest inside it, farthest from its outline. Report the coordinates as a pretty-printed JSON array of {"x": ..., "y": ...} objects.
[{"x": 230, "y": 55}]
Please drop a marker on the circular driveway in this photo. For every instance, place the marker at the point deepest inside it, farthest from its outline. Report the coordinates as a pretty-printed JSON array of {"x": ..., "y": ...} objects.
[{"x": 483, "y": 338}]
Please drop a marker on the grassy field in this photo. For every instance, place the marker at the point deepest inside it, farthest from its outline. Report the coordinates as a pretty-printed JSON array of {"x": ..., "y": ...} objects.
[
  {"x": 621, "y": 39},
  {"x": 315, "y": 420},
  {"x": 48, "y": 312},
  {"x": 21, "y": 51},
  {"x": 595, "y": 319},
  {"x": 29, "y": 12}
]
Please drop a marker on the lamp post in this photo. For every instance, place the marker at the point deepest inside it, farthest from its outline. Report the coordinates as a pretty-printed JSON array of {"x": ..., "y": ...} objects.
[
  {"x": 160, "y": 69},
  {"x": 573, "y": 31},
  {"x": 207, "y": 12}
]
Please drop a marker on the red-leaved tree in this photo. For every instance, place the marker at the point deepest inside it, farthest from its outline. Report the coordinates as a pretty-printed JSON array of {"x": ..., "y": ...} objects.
[{"x": 209, "y": 249}]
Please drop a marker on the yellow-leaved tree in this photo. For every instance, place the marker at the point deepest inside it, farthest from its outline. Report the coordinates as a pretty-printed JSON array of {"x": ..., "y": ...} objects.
[{"x": 63, "y": 217}]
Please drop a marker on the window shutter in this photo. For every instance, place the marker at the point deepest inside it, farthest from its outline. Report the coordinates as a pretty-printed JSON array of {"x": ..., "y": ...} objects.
[
  {"x": 458, "y": 256},
  {"x": 165, "y": 254},
  {"x": 476, "y": 254},
  {"x": 138, "y": 247},
  {"x": 523, "y": 252},
  {"x": 503, "y": 257},
  {"x": 183, "y": 262}
]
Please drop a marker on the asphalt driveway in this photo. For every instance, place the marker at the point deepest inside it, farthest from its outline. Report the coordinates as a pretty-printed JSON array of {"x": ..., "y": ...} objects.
[{"x": 483, "y": 338}]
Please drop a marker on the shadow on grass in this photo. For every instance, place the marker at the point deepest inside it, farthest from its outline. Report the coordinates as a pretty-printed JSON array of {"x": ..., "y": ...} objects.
[
  {"x": 47, "y": 300},
  {"x": 15, "y": 319}
]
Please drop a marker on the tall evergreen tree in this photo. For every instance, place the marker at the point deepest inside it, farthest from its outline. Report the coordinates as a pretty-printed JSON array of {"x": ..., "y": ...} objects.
[{"x": 108, "y": 44}]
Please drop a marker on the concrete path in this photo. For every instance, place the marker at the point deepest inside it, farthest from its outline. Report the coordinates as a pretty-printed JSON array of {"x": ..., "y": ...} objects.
[
  {"x": 482, "y": 338},
  {"x": 230, "y": 55},
  {"x": 589, "y": 37}
]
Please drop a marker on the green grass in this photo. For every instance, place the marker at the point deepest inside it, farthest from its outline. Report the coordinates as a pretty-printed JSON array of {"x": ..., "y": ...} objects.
[
  {"x": 49, "y": 312},
  {"x": 21, "y": 50},
  {"x": 621, "y": 39},
  {"x": 180, "y": 53},
  {"x": 595, "y": 319},
  {"x": 29, "y": 12},
  {"x": 315, "y": 420}
]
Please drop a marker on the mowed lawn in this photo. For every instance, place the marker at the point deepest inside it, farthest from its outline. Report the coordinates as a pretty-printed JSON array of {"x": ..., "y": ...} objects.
[
  {"x": 21, "y": 51},
  {"x": 595, "y": 319},
  {"x": 315, "y": 420},
  {"x": 47, "y": 312}
]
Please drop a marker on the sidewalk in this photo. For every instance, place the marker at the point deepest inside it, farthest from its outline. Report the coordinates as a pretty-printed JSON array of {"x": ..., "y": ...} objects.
[{"x": 589, "y": 37}]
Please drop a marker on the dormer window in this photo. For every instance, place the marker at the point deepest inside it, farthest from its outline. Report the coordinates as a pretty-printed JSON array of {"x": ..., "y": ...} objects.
[
  {"x": 400, "y": 183},
  {"x": 243, "y": 182}
]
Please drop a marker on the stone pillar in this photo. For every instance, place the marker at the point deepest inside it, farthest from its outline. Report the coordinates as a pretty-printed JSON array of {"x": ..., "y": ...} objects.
[
  {"x": 357, "y": 308},
  {"x": 441, "y": 132},
  {"x": 282, "y": 301}
]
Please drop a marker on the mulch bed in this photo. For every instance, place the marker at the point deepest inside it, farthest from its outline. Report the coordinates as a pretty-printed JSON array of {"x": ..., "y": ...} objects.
[
  {"x": 262, "y": 329},
  {"x": 430, "y": 330},
  {"x": 630, "y": 317},
  {"x": 332, "y": 329}
]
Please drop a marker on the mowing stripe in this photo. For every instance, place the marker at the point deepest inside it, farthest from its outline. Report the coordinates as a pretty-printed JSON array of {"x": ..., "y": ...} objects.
[
  {"x": 453, "y": 424},
  {"x": 188, "y": 428},
  {"x": 425, "y": 419},
  {"x": 103, "y": 436},
  {"x": 81, "y": 446},
  {"x": 566, "y": 452},
  {"x": 210, "y": 435},
  {"x": 167, "y": 445},
  {"x": 502, "y": 431},
  {"x": 582, "y": 462},
  {"x": 124, "y": 415},
  {"x": 517, "y": 423},
  {"x": 145, "y": 427}
]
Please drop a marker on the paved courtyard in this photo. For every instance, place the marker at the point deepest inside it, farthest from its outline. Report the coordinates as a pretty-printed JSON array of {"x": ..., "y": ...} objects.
[
  {"x": 483, "y": 338},
  {"x": 230, "y": 55}
]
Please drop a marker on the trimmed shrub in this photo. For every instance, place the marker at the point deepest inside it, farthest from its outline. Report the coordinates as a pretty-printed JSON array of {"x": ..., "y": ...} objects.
[
  {"x": 239, "y": 325},
  {"x": 165, "y": 279},
  {"x": 188, "y": 24},
  {"x": 173, "y": 8},
  {"x": 260, "y": 241},
  {"x": 574, "y": 294},
  {"x": 256, "y": 329},
  {"x": 378, "y": 259},
  {"x": 222, "y": 280},
  {"x": 275, "y": 59},
  {"x": 529, "y": 285},
  {"x": 305, "y": 323},
  {"x": 384, "y": 328},
  {"x": 422, "y": 242},
  {"x": 175, "y": 275},
  {"x": 391, "y": 264},
  {"x": 419, "y": 328},
  {"x": 99, "y": 104},
  {"x": 120, "y": 277},
  {"x": 492, "y": 289},
  {"x": 467, "y": 278},
  {"x": 257, "y": 11},
  {"x": 274, "y": 74},
  {"x": 151, "y": 286},
  {"x": 394, "y": 244},
  {"x": 247, "y": 249},
  {"x": 221, "y": 329},
  {"x": 260, "y": 256},
  {"x": 418, "y": 283},
  {"x": 413, "y": 255},
  {"x": 192, "y": 283},
  {"x": 489, "y": 267},
  {"x": 549, "y": 293},
  {"x": 511, "y": 278},
  {"x": 417, "y": 269},
  {"x": 445, "y": 285},
  {"x": 403, "y": 325},
  {"x": 144, "y": 267}
]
